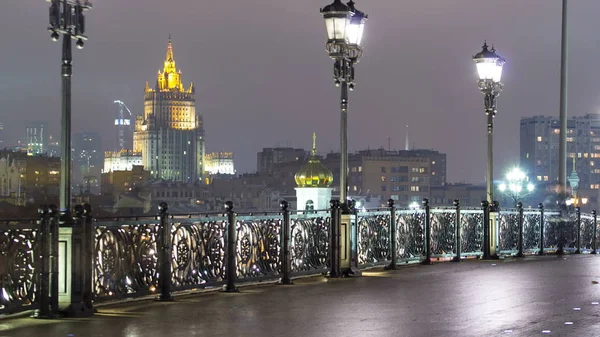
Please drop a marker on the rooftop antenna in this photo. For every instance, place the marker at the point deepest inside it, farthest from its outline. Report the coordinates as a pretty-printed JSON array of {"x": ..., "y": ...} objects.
[{"x": 406, "y": 142}]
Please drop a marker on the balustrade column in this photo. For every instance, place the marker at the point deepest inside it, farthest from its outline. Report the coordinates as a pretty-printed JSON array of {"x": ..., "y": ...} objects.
[
  {"x": 542, "y": 224},
  {"x": 578, "y": 213},
  {"x": 165, "y": 254},
  {"x": 486, "y": 229},
  {"x": 89, "y": 257},
  {"x": 231, "y": 258},
  {"x": 393, "y": 249},
  {"x": 286, "y": 257},
  {"x": 427, "y": 243},
  {"x": 334, "y": 232},
  {"x": 594, "y": 242},
  {"x": 45, "y": 310},
  {"x": 520, "y": 239},
  {"x": 458, "y": 234}
]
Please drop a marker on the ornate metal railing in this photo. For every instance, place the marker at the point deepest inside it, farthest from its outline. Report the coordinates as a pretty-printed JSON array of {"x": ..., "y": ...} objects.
[
  {"x": 139, "y": 256},
  {"x": 19, "y": 265}
]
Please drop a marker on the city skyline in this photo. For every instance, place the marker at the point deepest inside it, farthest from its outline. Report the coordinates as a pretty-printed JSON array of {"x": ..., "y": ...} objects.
[{"x": 271, "y": 83}]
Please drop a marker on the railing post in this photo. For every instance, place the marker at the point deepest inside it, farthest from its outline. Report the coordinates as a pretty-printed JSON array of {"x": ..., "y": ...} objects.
[
  {"x": 334, "y": 233},
  {"x": 231, "y": 262},
  {"x": 559, "y": 232},
  {"x": 286, "y": 257},
  {"x": 485, "y": 205},
  {"x": 457, "y": 240},
  {"x": 53, "y": 221},
  {"x": 393, "y": 250},
  {"x": 88, "y": 262},
  {"x": 427, "y": 243},
  {"x": 542, "y": 224},
  {"x": 578, "y": 213},
  {"x": 43, "y": 287},
  {"x": 594, "y": 232},
  {"x": 520, "y": 239},
  {"x": 165, "y": 253}
]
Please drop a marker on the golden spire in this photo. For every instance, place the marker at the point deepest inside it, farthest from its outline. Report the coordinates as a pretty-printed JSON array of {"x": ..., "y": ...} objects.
[
  {"x": 169, "y": 66},
  {"x": 314, "y": 148}
]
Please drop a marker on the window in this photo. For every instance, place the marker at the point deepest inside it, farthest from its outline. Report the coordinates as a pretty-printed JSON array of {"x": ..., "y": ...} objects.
[
  {"x": 383, "y": 179},
  {"x": 360, "y": 169},
  {"x": 545, "y": 178},
  {"x": 383, "y": 169},
  {"x": 433, "y": 162},
  {"x": 539, "y": 138},
  {"x": 539, "y": 178},
  {"x": 414, "y": 188}
]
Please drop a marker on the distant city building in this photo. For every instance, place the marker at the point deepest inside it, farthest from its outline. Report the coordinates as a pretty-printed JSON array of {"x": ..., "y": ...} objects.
[
  {"x": 88, "y": 158},
  {"x": 540, "y": 147},
  {"x": 53, "y": 147},
  {"x": 170, "y": 134},
  {"x": 121, "y": 160},
  {"x": 28, "y": 179},
  {"x": 219, "y": 163},
  {"x": 116, "y": 182},
  {"x": 269, "y": 157},
  {"x": 2, "y": 141},
  {"x": 37, "y": 138}
]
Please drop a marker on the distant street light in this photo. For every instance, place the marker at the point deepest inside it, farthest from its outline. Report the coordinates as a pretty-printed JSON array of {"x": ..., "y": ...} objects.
[
  {"x": 345, "y": 27},
  {"x": 517, "y": 185},
  {"x": 414, "y": 205},
  {"x": 67, "y": 19}
]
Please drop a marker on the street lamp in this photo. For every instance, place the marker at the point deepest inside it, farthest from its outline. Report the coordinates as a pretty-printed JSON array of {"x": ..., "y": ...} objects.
[
  {"x": 517, "y": 185},
  {"x": 345, "y": 27},
  {"x": 67, "y": 19},
  {"x": 489, "y": 68}
]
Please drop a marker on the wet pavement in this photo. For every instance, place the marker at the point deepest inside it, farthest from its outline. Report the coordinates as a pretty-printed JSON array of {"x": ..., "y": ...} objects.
[{"x": 556, "y": 296}]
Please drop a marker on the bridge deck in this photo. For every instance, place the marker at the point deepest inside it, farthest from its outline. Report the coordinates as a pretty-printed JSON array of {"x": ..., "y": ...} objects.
[{"x": 474, "y": 298}]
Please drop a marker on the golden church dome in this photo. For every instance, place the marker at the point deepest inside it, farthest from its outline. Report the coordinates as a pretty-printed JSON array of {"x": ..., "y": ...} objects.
[{"x": 314, "y": 173}]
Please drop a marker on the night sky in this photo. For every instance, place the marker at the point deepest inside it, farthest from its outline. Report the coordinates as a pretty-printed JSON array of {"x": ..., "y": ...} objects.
[{"x": 263, "y": 77}]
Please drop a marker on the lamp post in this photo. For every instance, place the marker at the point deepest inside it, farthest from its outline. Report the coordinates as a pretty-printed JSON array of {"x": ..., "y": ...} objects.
[
  {"x": 517, "y": 185},
  {"x": 489, "y": 68},
  {"x": 345, "y": 26},
  {"x": 67, "y": 19}
]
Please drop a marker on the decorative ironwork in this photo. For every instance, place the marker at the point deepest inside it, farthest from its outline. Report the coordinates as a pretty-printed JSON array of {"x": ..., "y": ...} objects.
[
  {"x": 472, "y": 231},
  {"x": 19, "y": 263},
  {"x": 508, "y": 227},
  {"x": 587, "y": 231},
  {"x": 310, "y": 242},
  {"x": 531, "y": 230},
  {"x": 373, "y": 237},
  {"x": 125, "y": 258},
  {"x": 258, "y": 247},
  {"x": 410, "y": 227},
  {"x": 443, "y": 231},
  {"x": 198, "y": 251}
]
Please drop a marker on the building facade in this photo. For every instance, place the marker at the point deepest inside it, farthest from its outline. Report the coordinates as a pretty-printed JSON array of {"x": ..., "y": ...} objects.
[
  {"x": 539, "y": 147},
  {"x": 37, "y": 138},
  {"x": 219, "y": 163},
  {"x": 170, "y": 134},
  {"x": 121, "y": 160},
  {"x": 269, "y": 157},
  {"x": 88, "y": 157}
]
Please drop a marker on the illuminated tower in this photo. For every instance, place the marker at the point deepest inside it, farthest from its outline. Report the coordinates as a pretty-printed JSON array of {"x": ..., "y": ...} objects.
[
  {"x": 170, "y": 134},
  {"x": 313, "y": 181}
]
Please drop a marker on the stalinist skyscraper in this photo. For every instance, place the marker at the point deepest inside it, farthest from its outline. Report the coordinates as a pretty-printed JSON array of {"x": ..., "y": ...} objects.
[{"x": 170, "y": 135}]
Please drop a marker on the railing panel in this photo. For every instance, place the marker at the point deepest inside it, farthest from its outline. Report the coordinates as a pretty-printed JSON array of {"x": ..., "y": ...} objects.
[
  {"x": 471, "y": 231},
  {"x": 587, "y": 231},
  {"x": 198, "y": 251},
  {"x": 508, "y": 230},
  {"x": 19, "y": 265},
  {"x": 443, "y": 232},
  {"x": 373, "y": 237},
  {"x": 258, "y": 246},
  {"x": 125, "y": 262},
  {"x": 410, "y": 228},
  {"x": 310, "y": 243},
  {"x": 531, "y": 231}
]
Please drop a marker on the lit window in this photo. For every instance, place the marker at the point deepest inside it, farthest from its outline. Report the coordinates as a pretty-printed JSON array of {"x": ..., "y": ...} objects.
[
  {"x": 539, "y": 138},
  {"x": 591, "y": 163},
  {"x": 545, "y": 178},
  {"x": 557, "y": 131},
  {"x": 432, "y": 173},
  {"x": 527, "y": 156},
  {"x": 414, "y": 188},
  {"x": 383, "y": 178},
  {"x": 433, "y": 162},
  {"x": 579, "y": 155},
  {"x": 539, "y": 178},
  {"x": 360, "y": 169},
  {"x": 355, "y": 188}
]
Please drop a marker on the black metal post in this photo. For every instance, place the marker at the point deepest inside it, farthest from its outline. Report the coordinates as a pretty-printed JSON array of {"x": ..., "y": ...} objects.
[
  {"x": 486, "y": 229},
  {"x": 88, "y": 295},
  {"x": 286, "y": 256},
  {"x": 54, "y": 215},
  {"x": 427, "y": 243},
  {"x": 231, "y": 262},
  {"x": 520, "y": 239},
  {"x": 578, "y": 213},
  {"x": 43, "y": 289},
  {"x": 334, "y": 232},
  {"x": 594, "y": 231},
  {"x": 79, "y": 266},
  {"x": 165, "y": 253},
  {"x": 559, "y": 232},
  {"x": 542, "y": 224},
  {"x": 65, "y": 167},
  {"x": 393, "y": 250},
  {"x": 457, "y": 240}
]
